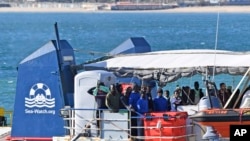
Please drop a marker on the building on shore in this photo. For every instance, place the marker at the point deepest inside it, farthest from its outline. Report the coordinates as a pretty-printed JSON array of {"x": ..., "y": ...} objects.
[{"x": 118, "y": 4}]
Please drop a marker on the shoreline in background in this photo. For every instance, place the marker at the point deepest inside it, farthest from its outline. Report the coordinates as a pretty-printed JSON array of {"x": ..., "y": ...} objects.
[{"x": 93, "y": 8}]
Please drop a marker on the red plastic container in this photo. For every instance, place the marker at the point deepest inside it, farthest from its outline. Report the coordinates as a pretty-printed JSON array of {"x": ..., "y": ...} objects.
[{"x": 165, "y": 126}]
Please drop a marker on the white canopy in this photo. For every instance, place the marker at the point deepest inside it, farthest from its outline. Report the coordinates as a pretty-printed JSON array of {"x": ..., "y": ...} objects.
[{"x": 168, "y": 66}]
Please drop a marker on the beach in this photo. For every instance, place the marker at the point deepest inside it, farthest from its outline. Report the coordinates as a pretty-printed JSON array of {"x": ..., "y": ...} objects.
[{"x": 93, "y": 8}]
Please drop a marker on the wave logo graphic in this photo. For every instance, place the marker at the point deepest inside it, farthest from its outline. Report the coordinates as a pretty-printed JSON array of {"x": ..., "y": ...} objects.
[{"x": 39, "y": 96}]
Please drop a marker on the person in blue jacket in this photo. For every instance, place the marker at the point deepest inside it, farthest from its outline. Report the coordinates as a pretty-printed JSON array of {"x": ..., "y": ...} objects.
[
  {"x": 133, "y": 98},
  {"x": 160, "y": 103},
  {"x": 142, "y": 109},
  {"x": 142, "y": 104}
]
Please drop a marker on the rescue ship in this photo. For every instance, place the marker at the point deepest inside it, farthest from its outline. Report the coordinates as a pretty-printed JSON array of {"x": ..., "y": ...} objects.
[{"x": 54, "y": 103}]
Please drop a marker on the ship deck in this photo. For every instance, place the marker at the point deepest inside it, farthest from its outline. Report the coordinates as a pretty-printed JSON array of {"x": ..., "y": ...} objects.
[{"x": 4, "y": 132}]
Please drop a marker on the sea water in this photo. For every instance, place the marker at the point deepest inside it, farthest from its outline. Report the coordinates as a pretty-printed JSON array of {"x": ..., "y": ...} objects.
[{"x": 93, "y": 34}]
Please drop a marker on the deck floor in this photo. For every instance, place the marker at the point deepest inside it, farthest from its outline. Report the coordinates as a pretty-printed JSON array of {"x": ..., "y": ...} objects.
[{"x": 4, "y": 132}]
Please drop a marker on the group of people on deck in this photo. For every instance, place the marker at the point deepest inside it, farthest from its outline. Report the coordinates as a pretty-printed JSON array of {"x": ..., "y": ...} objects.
[
  {"x": 135, "y": 98},
  {"x": 186, "y": 96},
  {"x": 139, "y": 100}
]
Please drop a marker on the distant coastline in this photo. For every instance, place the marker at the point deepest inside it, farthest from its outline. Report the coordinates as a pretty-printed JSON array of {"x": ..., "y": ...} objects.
[
  {"x": 207, "y": 9},
  {"x": 93, "y": 8}
]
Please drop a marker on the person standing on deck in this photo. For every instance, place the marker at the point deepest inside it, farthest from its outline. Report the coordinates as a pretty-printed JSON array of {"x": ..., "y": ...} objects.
[
  {"x": 223, "y": 93},
  {"x": 113, "y": 99},
  {"x": 160, "y": 103},
  {"x": 196, "y": 94},
  {"x": 125, "y": 98},
  {"x": 142, "y": 108},
  {"x": 147, "y": 91},
  {"x": 186, "y": 96},
  {"x": 176, "y": 99},
  {"x": 133, "y": 98},
  {"x": 167, "y": 97},
  {"x": 100, "y": 92}
]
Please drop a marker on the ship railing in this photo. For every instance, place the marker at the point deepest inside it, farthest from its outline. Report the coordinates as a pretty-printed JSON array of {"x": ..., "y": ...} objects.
[
  {"x": 100, "y": 125},
  {"x": 111, "y": 127}
]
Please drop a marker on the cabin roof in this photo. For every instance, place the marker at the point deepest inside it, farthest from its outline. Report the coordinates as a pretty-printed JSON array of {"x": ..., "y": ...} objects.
[{"x": 170, "y": 65}]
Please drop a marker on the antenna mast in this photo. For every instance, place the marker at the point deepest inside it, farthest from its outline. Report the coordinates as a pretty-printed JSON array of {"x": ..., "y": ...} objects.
[{"x": 216, "y": 42}]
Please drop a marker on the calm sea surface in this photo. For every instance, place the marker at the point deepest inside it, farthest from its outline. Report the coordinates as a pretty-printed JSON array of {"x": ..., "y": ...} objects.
[{"x": 23, "y": 33}]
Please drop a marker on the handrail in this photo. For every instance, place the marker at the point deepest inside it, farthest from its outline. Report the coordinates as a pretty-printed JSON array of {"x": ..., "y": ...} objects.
[{"x": 114, "y": 126}]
